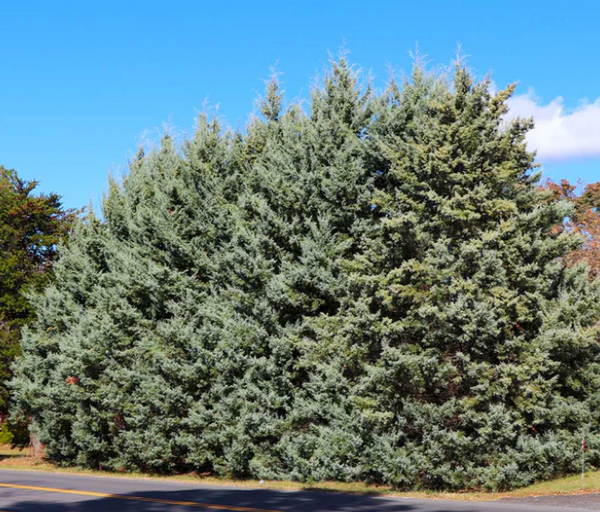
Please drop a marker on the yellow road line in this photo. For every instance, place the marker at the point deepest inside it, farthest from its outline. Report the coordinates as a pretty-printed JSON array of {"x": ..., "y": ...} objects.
[{"x": 138, "y": 498}]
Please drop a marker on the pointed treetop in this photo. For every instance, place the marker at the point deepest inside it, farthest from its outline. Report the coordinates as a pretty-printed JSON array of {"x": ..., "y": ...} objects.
[
  {"x": 270, "y": 104},
  {"x": 342, "y": 97}
]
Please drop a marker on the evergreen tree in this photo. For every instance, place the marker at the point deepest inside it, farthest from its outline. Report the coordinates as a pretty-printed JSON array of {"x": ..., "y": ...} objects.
[
  {"x": 31, "y": 226},
  {"x": 484, "y": 362},
  {"x": 372, "y": 289}
]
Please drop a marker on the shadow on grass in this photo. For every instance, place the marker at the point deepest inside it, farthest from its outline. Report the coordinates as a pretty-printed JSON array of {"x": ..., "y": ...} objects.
[
  {"x": 4, "y": 455},
  {"x": 316, "y": 488}
]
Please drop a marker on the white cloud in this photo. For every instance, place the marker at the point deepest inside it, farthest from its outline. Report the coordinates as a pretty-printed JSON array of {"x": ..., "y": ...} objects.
[{"x": 560, "y": 133}]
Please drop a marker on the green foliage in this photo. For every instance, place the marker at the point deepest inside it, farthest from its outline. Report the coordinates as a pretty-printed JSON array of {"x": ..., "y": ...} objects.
[
  {"x": 372, "y": 290},
  {"x": 6, "y": 436},
  {"x": 31, "y": 226},
  {"x": 15, "y": 433}
]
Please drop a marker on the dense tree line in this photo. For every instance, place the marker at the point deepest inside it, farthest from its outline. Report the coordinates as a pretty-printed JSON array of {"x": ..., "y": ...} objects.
[{"x": 370, "y": 288}]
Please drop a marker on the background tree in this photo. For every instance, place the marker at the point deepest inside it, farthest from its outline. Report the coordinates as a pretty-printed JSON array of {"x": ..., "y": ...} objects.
[
  {"x": 584, "y": 219},
  {"x": 31, "y": 227}
]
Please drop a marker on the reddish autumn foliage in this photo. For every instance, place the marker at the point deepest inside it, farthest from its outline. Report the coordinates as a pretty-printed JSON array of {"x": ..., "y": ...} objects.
[{"x": 584, "y": 220}]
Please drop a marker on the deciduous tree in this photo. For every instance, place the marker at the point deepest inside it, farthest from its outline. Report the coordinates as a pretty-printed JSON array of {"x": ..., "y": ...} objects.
[{"x": 584, "y": 219}]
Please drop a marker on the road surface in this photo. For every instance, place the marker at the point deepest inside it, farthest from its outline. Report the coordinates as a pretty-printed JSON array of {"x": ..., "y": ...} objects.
[{"x": 23, "y": 491}]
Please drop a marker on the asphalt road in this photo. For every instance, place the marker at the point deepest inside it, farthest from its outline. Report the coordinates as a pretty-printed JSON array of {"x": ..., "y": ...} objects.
[{"x": 22, "y": 491}]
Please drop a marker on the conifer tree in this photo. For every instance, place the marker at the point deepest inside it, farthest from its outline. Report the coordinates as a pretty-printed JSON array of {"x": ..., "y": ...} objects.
[
  {"x": 484, "y": 356},
  {"x": 371, "y": 289},
  {"x": 31, "y": 226}
]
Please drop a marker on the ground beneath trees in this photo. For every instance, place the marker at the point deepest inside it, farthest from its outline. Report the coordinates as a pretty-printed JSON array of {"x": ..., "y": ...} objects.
[{"x": 563, "y": 493}]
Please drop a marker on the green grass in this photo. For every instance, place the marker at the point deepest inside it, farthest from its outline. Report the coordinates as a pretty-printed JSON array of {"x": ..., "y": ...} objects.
[{"x": 22, "y": 460}]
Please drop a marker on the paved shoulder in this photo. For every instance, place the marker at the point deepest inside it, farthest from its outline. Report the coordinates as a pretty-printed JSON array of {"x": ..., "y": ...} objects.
[
  {"x": 589, "y": 501},
  {"x": 22, "y": 491}
]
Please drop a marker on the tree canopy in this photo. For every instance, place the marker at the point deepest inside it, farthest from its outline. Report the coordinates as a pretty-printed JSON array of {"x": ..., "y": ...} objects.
[
  {"x": 31, "y": 227},
  {"x": 584, "y": 220},
  {"x": 370, "y": 288}
]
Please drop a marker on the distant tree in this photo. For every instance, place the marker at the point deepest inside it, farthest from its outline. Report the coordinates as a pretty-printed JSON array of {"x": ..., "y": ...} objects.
[
  {"x": 31, "y": 226},
  {"x": 584, "y": 220}
]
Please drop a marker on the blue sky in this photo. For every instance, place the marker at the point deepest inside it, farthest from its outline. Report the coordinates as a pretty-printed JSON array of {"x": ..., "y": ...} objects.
[{"x": 82, "y": 83}]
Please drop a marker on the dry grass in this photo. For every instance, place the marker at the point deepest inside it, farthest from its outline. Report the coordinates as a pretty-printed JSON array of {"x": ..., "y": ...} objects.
[{"x": 22, "y": 460}]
